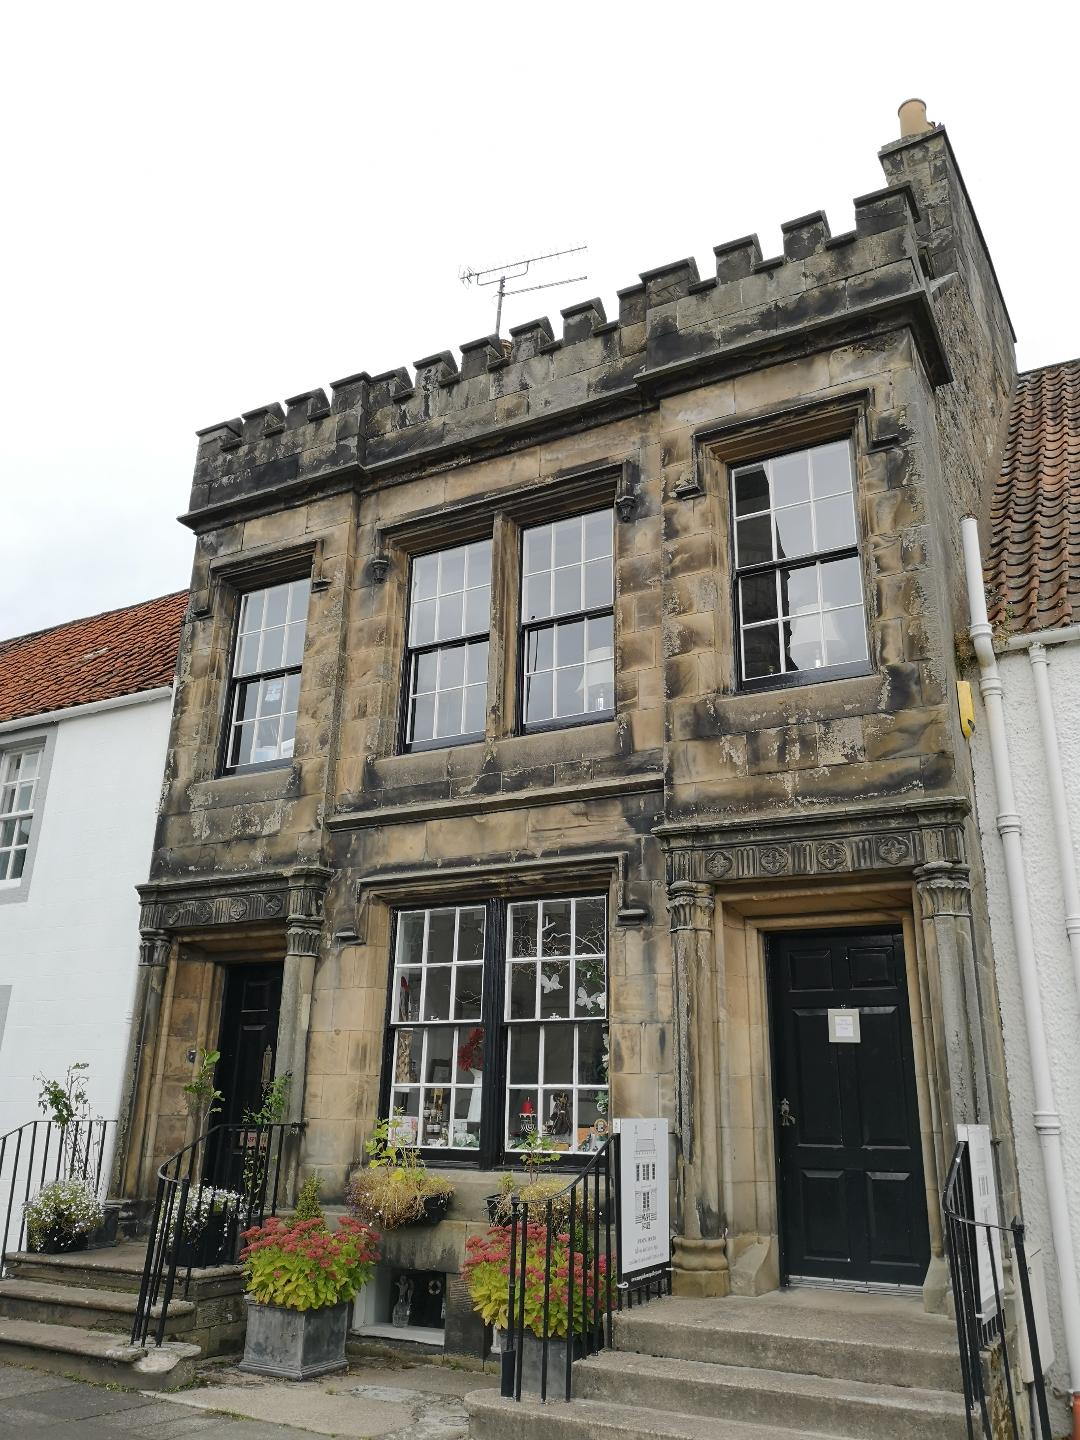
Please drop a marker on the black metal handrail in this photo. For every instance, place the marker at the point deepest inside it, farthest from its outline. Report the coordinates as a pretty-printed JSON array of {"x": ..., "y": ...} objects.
[
  {"x": 197, "y": 1220},
  {"x": 38, "y": 1153},
  {"x": 981, "y": 1321},
  {"x": 590, "y": 1224}
]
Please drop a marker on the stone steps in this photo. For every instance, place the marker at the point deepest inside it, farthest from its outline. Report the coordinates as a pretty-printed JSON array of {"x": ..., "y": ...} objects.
[
  {"x": 119, "y": 1267},
  {"x": 492, "y": 1418},
  {"x": 97, "y": 1355},
  {"x": 50, "y": 1303},
  {"x": 781, "y": 1399}
]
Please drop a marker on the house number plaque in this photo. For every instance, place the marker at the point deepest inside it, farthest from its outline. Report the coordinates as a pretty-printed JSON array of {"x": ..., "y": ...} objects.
[{"x": 844, "y": 1027}]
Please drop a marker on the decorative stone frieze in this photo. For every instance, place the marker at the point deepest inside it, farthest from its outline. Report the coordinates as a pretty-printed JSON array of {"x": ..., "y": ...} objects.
[{"x": 293, "y": 897}]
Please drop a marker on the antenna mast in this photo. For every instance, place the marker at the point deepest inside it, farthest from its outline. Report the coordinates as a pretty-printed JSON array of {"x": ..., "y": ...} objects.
[{"x": 514, "y": 270}]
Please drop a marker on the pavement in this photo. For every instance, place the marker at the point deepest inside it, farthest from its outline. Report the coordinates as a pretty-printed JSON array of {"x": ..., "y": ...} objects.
[{"x": 383, "y": 1400}]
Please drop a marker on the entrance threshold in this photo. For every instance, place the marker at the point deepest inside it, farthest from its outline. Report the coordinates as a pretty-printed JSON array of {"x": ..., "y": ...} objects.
[{"x": 858, "y": 1287}]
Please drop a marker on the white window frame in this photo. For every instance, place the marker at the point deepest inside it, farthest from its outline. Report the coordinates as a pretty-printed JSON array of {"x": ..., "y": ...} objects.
[{"x": 16, "y": 888}]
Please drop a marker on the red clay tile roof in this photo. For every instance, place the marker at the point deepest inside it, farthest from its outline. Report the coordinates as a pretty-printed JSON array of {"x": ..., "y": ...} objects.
[
  {"x": 97, "y": 658},
  {"x": 1033, "y": 566}
]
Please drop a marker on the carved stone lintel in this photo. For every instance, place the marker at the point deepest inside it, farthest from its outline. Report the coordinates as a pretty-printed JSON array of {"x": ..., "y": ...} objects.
[
  {"x": 154, "y": 948},
  {"x": 944, "y": 889}
]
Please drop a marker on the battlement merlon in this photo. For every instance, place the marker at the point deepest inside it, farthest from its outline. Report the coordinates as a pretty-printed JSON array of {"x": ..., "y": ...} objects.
[{"x": 675, "y": 331}]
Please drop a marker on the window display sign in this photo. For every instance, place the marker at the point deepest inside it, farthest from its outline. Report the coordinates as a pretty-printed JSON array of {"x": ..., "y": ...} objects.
[{"x": 644, "y": 1234}]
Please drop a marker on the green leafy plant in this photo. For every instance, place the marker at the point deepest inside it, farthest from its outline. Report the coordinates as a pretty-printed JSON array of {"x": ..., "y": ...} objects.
[
  {"x": 202, "y": 1097},
  {"x": 536, "y": 1193},
  {"x": 203, "y": 1204},
  {"x": 271, "y": 1111},
  {"x": 67, "y": 1104},
  {"x": 393, "y": 1187},
  {"x": 301, "y": 1265},
  {"x": 307, "y": 1202},
  {"x": 487, "y": 1276},
  {"x": 537, "y": 1150},
  {"x": 61, "y": 1215}
]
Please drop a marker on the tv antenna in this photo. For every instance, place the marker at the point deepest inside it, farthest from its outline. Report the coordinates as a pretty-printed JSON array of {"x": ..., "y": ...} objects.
[{"x": 514, "y": 270}]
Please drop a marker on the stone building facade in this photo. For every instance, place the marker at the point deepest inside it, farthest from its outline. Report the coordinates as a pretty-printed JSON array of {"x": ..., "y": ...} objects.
[{"x": 768, "y": 784}]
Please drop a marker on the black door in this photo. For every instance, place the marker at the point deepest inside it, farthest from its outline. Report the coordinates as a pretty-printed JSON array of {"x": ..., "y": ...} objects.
[
  {"x": 852, "y": 1199},
  {"x": 250, "y": 1009}
]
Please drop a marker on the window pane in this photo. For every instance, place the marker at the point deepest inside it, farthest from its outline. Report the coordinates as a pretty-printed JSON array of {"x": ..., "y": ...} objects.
[
  {"x": 570, "y": 643},
  {"x": 525, "y": 1055},
  {"x": 478, "y": 564},
  {"x": 590, "y": 926},
  {"x": 468, "y": 992},
  {"x": 273, "y": 648},
  {"x": 555, "y": 927},
  {"x": 292, "y": 692},
  {"x": 522, "y": 991},
  {"x": 288, "y": 736},
  {"x": 452, "y": 667},
  {"x": 299, "y": 593},
  {"x": 598, "y": 534},
  {"x": 841, "y": 583},
  {"x": 521, "y": 1117},
  {"x": 835, "y": 520},
  {"x": 294, "y": 643},
  {"x": 466, "y": 1123},
  {"x": 448, "y": 625},
  {"x": 29, "y": 764},
  {"x": 791, "y": 479},
  {"x": 566, "y": 542},
  {"x": 802, "y": 643},
  {"x": 404, "y": 1123},
  {"x": 567, "y": 590},
  {"x": 845, "y": 636},
  {"x": 437, "y": 993},
  {"x": 243, "y": 744},
  {"x": 600, "y": 638},
  {"x": 761, "y": 652},
  {"x": 410, "y": 946},
  {"x": 555, "y": 989},
  {"x": 247, "y": 701},
  {"x": 425, "y": 576},
  {"x": 24, "y": 797},
  {"x": 273, "y": 694},
  {"x": 523, "y": 930},
  {"x": 7, "y": 833},
  {"x": 407, "y": 998},
  {"x": 471, "y": 926},
  {"x": 408, "y": 1056},
  {"x": 469, "y": 1066},
  {"x": 537, "y": 549},
  {"x": 442, "y": 927},
  {"x": 536, "y": 597},
  {"x": 266, "y": 741},
  {"x": 18, "y": 861},
  {"x": 540, "y": 649},
  {"x": 435, "y": 1119},
  {"x": 794, "y": 535},
  {"x": 589, "y": 1110},
  {"x": 599, "y": 687},
  {"x": 422, "y": 623},
  {"x": 539, "y": 702},
  {"x": 477, "y": 611},
  {"x": 247, "y": 655},
  {"x": 451, "y": 571},
  {"x": 427, "y": 666},
  {"x": 475, "y": 716},
  {"x": 277, "y": 606},
  {"x": 440, "y": 1056},
  {"x": 799, "y": 590},
  {"x": 592, "y": 1067},
  {"x": 559, "y": 1054},
  {"x": 758, "y": 597},
  {"x": 570, "y": 691},
  {"x": 597, "y": 584},
  {"x": 422, "y": 724},
  {"x": 251, "y": 611},
  {"x": 751, "y": 490},
  {"x": 477, "y": 664},
  {"x": 754, "y": 540},
  {"x": 832, "y": 468},
  {"x": 448, "y": 714}
]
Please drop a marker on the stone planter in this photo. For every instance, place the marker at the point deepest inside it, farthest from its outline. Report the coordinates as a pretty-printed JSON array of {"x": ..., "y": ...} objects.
[
  {"x": 295, "y": 1344},
  {"x": 105, "y": 1234},
  {"x": 532, "y": 1364}
]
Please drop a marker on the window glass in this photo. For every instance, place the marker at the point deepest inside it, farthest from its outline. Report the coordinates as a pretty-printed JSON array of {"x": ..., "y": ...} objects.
[
  {"x": 19, "y": 774},
  {"x": 267, "y": 663},
  {"x": 449, "y": 616},
  {"x": 808, "y": 615}
]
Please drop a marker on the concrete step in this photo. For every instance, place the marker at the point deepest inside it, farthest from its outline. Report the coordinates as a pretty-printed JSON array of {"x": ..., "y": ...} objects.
[
  {"x": 97, "y": 1355},
  {"x": 784, "y": 1400},
  {"x": 847, "y": 1337},
  {"x": 119, "y": 1267},
  {"x": 61, "y": 1304},
  {"x": 492, "y": 1418}
]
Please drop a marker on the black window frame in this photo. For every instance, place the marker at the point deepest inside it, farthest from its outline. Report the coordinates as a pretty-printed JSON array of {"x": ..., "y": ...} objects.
[
  {"x": 492, "y": 1153},
  {"x": 530, "y": 627},
  {"x": 793, "y": 678},
  {"x": 237, "y": 682},
  {"x": 412, "y": 653}
]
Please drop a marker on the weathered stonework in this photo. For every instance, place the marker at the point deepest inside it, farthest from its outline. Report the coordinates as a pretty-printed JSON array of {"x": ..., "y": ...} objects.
[{"x": 704, "y": 812}]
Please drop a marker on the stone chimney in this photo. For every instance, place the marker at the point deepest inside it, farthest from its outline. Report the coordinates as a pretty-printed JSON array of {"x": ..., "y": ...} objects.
[{"x": 913, "y": 119}]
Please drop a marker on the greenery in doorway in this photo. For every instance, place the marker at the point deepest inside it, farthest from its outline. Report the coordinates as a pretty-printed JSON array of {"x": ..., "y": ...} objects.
[
  {"x": 202, "y": 1096},
  {"x": 395, "y": 1187}
]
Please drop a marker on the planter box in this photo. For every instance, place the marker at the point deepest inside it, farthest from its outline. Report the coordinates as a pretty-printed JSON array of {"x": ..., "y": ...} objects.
[
  {"x": 435, "y": 1208},
  {"x": 295, "y": 1344},
  {"x": 105, "y": 1234},
  {"x": 532, "y": 1364},
  {"x": 62, "y": 1244},
  {"x": 214, "y": 1244}
]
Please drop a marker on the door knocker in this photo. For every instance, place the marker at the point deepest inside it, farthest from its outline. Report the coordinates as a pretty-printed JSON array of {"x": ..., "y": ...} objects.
[{"x": 786, "y": 1117}]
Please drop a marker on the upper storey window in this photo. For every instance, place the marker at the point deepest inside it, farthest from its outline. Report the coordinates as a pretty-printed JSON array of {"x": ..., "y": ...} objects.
[
  {"x": 19, "y": 772},
  {"x": 449, "y": 621},
  {"x": 799, "y": 591},
  {"x": 266, "y": 669},
  {"x": 568, "y": 621}
]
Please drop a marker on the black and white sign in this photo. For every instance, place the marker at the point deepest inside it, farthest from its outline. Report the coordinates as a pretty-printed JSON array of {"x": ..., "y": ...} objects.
[
  {"x": 984, "y": 1200},
  {"x": 644, "y": 1230}
]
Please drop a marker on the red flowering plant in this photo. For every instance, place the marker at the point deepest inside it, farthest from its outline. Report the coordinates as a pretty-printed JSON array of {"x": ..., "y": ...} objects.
[
  {"x": 303, "y": 1265},
  {"x": 487, "y": 1276}
]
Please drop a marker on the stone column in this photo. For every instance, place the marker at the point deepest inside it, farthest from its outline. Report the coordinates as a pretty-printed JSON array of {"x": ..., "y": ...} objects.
[
  {"x": 155, "y": 947},
  {"x": 700, "y": 1261},
  {"x": 303, "y": 934}
]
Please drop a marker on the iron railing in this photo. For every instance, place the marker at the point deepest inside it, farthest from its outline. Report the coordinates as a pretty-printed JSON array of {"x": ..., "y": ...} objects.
[
  {"x": 36, "y": 1154},
  {"x": 208, "y": 1193},
  {"x": 582, "y": 1231},
  {"x": 975, "y": 1252}
]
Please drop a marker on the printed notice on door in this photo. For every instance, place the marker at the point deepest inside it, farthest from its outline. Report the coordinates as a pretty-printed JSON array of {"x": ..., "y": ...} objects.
[{"x": 644, "y": 1232}]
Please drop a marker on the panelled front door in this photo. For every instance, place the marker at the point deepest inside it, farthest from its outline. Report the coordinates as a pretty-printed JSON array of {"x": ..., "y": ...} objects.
[
  {"x": 852, "y": 1199},
  {"x": 250, "y": 1010}
]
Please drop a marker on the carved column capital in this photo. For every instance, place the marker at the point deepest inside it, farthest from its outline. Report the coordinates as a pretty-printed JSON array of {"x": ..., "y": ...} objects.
[
  {"x": 690, "y": 905},
  {"x": 944, "y": 888},
  {"x": 301, "y": 939},
  {"x": 154, "y": 948}
]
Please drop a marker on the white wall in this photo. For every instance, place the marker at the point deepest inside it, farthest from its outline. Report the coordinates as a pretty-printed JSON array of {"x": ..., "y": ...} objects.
[
  {"x": 1061, "y": 1005},
  {"x": 70, "y": 950}
]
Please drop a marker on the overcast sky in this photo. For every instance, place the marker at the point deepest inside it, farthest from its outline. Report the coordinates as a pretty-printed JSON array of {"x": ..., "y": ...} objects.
[{"x": 210, "y": 207}]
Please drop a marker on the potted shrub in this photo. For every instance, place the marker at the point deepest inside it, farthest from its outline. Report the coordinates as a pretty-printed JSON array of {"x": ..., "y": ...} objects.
[
  {"x": 62, "y": 1216},
  {"x": 487, "y": 1276},
  {"x": 302, "y": 1278},
  {"x": 206, "y": 1234},
  {"x": 537, "y": 1151},
  {"x": 395, "y": 1187}
]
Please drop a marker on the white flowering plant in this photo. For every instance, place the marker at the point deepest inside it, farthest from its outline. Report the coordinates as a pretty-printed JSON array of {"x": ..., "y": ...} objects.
[
  {"x": 62, "y": 1215},
  {"x": 203, "y": 1202}
]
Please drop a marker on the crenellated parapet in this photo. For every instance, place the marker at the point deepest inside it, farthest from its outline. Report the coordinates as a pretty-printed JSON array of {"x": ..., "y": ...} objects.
[{"x": 674, "y": 330}]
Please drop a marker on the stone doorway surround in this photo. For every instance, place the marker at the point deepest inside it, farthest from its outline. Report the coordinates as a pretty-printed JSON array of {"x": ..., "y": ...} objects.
[{"x": 730, "y": 885}]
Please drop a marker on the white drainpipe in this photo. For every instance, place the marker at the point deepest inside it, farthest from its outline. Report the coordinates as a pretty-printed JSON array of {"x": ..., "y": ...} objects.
[{"x": 1047, "y": 1120}]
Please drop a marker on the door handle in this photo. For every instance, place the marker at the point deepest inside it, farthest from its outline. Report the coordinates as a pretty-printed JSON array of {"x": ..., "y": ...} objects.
[{"x": 786, "y": 1117}]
